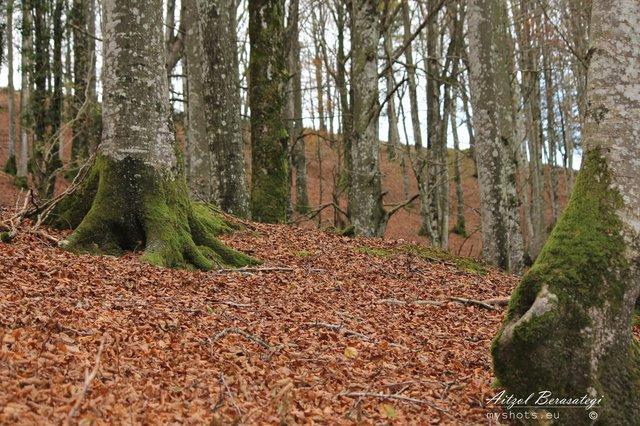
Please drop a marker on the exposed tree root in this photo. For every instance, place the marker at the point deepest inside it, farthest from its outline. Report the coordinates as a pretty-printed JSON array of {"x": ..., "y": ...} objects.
[{"x": 137, "y": 207}]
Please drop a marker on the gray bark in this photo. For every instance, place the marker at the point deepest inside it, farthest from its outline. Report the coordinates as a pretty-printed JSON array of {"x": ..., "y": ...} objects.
[
  {"x": 419, "y": 160},
  {"x": 222, "y": 104},
  {"x": 10, "y": 89},
  {"x": 131, "y": 128},
  {"x": 365, "y": 194},
  {"x": 491, "y": 98},
  {"x": 200, "y": 167},
  {"x": 137, "y": 183},
  {"x": 25, "y": 91},
  {"x": 294, "y": 109},
  {"x": 393, "y": 136}
]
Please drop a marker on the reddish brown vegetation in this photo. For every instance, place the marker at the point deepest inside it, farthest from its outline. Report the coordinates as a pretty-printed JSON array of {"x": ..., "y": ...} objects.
[{"x": 162, "y": 362}]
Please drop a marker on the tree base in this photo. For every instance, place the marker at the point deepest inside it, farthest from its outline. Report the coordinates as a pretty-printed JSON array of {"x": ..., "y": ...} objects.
[
  {"x": 568, "y": 327},
  {"x": 128, "y": 205}
]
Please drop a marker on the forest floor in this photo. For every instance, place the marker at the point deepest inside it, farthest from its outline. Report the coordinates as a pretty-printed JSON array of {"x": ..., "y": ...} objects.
[{"x": 328, "y": 329}]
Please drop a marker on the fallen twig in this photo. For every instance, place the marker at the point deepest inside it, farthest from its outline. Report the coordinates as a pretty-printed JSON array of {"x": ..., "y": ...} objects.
[
  {"x": 473, "y": 302},
  {"x": 87, "y": 383},
  {"x": 265, "y": 269},
  {"x": 500, "y": 301},
  {"x": 241, "y": 332},
  {"x": 393, "y": 301},
  {"x": 340, "y": 329},
  {"x": 233, "y": 400},
  {"x": 488, "y": 304},
  {"x": 393, "y": 396}
]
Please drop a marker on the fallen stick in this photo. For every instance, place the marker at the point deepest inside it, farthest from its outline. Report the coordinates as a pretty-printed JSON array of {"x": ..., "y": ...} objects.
[
  {"x": 87, "y": 383},
  {"x": 233, "y": 400},
  {"x": 501, "y": 301},
  {"x": 241, "y": 332},
  {"x": 488, "y": 304},
  {"x": 265, "y": 269},
  {"x": 338, "y": 328},
  {"x": 415, "y": 302},
  {"x": 384, "y": 396},
  {"x": 473, "y": 302}
]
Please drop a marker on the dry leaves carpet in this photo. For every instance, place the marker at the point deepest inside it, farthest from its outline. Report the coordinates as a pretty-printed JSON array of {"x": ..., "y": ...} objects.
[{"x": 324, "y": 331}]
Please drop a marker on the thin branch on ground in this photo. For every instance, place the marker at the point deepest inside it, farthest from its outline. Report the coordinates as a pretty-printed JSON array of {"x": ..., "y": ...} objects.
[
  {"x": 233, "y": 400},
  {"x": 473, "y": 302},
  {"x": 338, "y": 328},
  {"x": 265, "y": 269},
  {"x": 87, "y": 383},
  {"x": 488, "y": 304}
]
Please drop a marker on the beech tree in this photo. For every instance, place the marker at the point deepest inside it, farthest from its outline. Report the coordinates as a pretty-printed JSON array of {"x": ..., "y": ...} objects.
[
  {"x": 221, "y": 96},
  {"x": 568, "y": 327},
  {"x": 10, "y": 166},
  {"x": 267, "y": 98},
  {"x": 494, "y": 150},
  {"x": 200, "y": 167},
  {"x": 136, "y": 194},
  {"x": 365, "y": 193}
]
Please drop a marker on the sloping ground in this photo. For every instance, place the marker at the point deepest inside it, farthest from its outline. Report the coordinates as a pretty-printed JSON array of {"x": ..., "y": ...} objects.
[
  {"x": 312, "y": 341},
  {"x": 321, "y": 175}
]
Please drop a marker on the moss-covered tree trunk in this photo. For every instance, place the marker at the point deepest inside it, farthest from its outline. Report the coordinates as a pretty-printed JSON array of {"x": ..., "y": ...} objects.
[
  {"x": 137, "y": 184},
  {"x": 495, "y": 147},
  {"x": 365, "y": 193},
  {"x": 568, "y": 327},
  {"x": 267, "y": 98}
]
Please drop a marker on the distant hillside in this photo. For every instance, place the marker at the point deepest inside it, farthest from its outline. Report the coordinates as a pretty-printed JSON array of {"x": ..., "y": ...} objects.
[{"x": 321, "y": 169}]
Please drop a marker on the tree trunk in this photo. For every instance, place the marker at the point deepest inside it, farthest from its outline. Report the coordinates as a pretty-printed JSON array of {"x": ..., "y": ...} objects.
[
  {"x": 137, "y": 183},
  {"x": 393, "y": 136},
  {"x": 430, "y": 219},
  {"x": 44, "y": 159},
  {"x": 317, "y": 28},
  {"x": 222, "y": 103},
  {"x": 294, "y": 109},
  {"x": 56, "y": 69},
  {"x": 85, "y": 133},
  {"x": 365, "y": 194},
  {"x": 568, "y": 328},
  {"x": 460, "y": 226},
  {"x": 267, "y": 97},
  {"x": 10, "y": 166},
  {"x": 25, "y": 92},
  {"x": 419, "y": 162},
  {"x": 200, "y": 169},
  {"x": 491, "y": 98}
]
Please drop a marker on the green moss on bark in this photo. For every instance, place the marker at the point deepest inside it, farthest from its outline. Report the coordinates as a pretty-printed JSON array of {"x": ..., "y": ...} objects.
[
  {"x": 549, "y": 339},
  {"x": 270, "y": 184},
  {"x": 10, "y": 166},
  {"x": 135, "y": 206}
]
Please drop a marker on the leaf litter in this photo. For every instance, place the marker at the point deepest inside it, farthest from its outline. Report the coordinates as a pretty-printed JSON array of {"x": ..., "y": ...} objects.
[{"x": 334, "y": 336}]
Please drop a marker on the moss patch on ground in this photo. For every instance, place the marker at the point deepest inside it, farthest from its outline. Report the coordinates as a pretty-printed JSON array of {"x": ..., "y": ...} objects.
[{"x": 429, "y": 254}]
